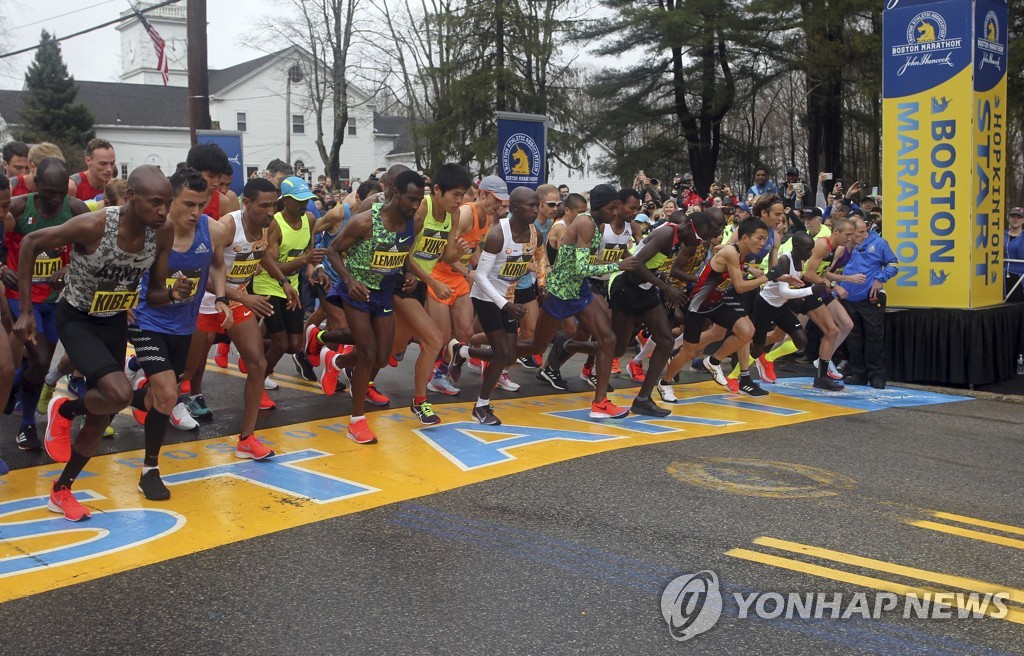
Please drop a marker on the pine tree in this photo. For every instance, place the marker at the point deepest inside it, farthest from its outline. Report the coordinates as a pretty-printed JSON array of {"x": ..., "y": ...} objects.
[{"x": 50, "y": 112}]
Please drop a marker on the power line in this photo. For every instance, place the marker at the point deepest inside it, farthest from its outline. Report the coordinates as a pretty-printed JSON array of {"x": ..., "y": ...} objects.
[
  {"x": 91, "y": 29},
  {"x": 67, "y": 13}
]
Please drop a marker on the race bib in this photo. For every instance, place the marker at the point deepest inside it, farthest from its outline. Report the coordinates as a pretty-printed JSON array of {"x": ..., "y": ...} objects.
[
  {"x": 432, "y": 246},
  {"x": 293, "y": 254},
  {"x": 613, "y": 253},
  {"x": 112, "y": 297},
  {"x": 244, "y": 268},
  {"x": 513, "y": 270},
  {"x": 387, "y": 262},
  {"x": 191, "y": 275},
  {"x": 46, "y": 265}
]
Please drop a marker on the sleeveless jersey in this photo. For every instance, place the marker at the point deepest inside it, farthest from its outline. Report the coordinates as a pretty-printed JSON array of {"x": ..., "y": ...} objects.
[
  {"x": 510, "y": 263},
  {"x": 106, "y": 282},
  {"x": 212, "y": 209},
  {"x": 564, "y": 281},
  {"x": 179, "y": 317},
  {"x": 433, "y": 238},
  {"x": 48, "y": 262},
  {"x": 771, "y": 291},
  {"x": 241, "y": 259},
  {"x": 293, "y": 245},
  {"x": 710, "y": 288},
  {"x": 552, "y": 251},
  {"x": 611, "y": 247},
  {"x": 379, "y": 261},
  {"x": 85, "y": 189}
]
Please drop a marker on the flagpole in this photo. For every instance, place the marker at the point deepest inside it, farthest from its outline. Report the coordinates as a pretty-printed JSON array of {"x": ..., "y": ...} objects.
[{"x": 198, "y": 74}]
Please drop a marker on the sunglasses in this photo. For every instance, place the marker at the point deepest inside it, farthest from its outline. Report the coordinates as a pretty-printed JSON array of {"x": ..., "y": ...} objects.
[{"x": 551, "y": 203}]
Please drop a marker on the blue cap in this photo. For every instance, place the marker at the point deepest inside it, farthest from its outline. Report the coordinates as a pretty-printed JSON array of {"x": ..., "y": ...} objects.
[
  {"x": 744, "y": 207},
  {"x": 642, "y": 218},
  {"x": 297, "y": 188}
]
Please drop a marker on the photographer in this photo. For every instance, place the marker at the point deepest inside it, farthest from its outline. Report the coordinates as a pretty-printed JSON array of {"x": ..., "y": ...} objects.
[{"x": 793, "y": 191}]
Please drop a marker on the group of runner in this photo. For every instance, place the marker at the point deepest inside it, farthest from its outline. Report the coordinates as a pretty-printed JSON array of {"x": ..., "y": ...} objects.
[{"x": 467, "y": 274}]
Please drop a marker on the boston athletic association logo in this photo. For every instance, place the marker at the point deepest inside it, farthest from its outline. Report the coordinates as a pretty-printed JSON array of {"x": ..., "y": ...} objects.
[
  {"x": 521, "y": 159},
  {"x": 928, "y": 43}
]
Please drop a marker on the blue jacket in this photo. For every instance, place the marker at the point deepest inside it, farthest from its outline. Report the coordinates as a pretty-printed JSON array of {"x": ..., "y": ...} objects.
[
  {"x": 768, "y": 188},
  {"x": 875, "y": 259},
  {"x": 1014, "y": 251}
]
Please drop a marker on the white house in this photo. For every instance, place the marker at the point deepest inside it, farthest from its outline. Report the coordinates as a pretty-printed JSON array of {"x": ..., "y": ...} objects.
[{"x": 148, "y": 122}]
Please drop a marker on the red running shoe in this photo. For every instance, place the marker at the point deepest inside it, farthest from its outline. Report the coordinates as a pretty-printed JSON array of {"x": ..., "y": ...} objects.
[
  {"x": 636, "y": 371},
  {"x": 241, "y": 365},
  {"x": 360, "y": 433},
  {"x": 186, "y": 387},
  {"x": 58, "y": 431},
  {"x": 373, "y": 397},
  {"x": 266, "y": 403},
  {"x": 222, "y": 355},
  {"x": 766, "y": 369},
  {"x": 63, "y": 502},
  {"x": 252, "y": 448},
  {"x": 733, "y": 384},
  {"x": 312, "y": 345},
  {"x": 605, "y": 409},
  {"x": 329, "y": 379}
]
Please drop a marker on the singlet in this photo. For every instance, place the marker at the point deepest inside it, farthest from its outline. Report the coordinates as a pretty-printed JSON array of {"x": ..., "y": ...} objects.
[
  {"x": 179, "y": 317},
  {"x": 552, "y": 251},
  {"x": 241, "y": 259},
  {"x": 838, "y": 264},
  {"x": 473, "y": 237},
  {"x": 379, "y": 261},
  {"x": 105, "y": 282},
  {"x": 433, "y": 238},
  {"x": 564, "y": 281},
  {"x": 48, "y": 262},
  {"x": 18, "y": 187},
  {"x": 709, "y": 290},
  {"x": 611, "y": 247},
  {"x": 293, "y": 245},
  {"x": 510, "y": 263},
  {"x": 85, "y": 189},
  {"x": 772, "y": 291},
  {"x": 212, "y": 209}
]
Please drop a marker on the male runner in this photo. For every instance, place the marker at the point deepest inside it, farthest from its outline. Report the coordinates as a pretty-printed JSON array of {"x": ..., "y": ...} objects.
[
  {"x": 48, "y": 207},
  {"x": 377, "y": 244},
  {"x": 114, "y": 247},
  {"x": 15, "y": 160},
  {"x": 100, "y": 164},
  {"x": 6, "y": 323},
  {"x": 162, "y": 335}
]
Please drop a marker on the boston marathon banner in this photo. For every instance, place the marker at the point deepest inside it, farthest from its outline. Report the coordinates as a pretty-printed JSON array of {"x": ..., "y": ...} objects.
[
  {"x": 231, "y": 142},
  {"x": 944, "y": 117},
  {"x": 522, "y": 140}
]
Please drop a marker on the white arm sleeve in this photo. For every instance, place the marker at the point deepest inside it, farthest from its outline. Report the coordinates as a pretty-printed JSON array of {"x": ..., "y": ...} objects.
[
  {"x": 788, "y": 293},
  {"x": 483, "y": 279}
]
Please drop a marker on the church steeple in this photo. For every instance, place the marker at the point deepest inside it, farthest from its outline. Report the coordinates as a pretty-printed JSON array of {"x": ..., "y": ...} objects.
[{"x": 138, "y": 57}]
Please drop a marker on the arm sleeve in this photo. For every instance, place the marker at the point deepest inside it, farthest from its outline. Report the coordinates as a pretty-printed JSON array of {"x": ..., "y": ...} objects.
[
  {"x": 788, "y": 293},
  {"x": 483, "y": 279},
  {"x": 583, "y": 265}
]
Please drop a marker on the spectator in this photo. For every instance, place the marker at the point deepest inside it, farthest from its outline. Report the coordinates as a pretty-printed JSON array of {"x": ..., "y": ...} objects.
[
  {"x": 1015, "y": 251},
  {"x": 563, "y": 191},
  {"x": 873, "y": 263},
  {"x": 762, "y": 185}
]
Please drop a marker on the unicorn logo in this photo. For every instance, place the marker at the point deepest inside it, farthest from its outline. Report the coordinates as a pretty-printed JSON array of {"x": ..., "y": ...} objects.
[
  {"x": 522, "y": 165},
  {"x": 939, "y": 105},
  {"x": 937, "y": 278},
  {"x": 991, "y": 31},
  {"x": 925, "y": 32}
]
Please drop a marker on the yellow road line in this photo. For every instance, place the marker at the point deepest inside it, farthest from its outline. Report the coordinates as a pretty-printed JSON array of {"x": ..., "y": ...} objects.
[
  {"x": 963, "y": 519},
  {"x": 968, "y": 533},
  {"x": 1012, "y": 614},
  {"x": 892, "y": 568},
  {"x": 306, "y": 386}
]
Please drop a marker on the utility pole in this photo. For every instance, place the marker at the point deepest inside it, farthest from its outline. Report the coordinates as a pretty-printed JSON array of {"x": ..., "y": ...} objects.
[
  {"x": 499, "y": 38},
  {"x": 198, "y": 74}
]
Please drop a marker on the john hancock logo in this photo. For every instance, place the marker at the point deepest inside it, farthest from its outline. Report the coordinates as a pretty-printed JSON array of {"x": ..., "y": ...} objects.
[
  {"x": 520, "y": 159},
  {"x": 691, "y": 604},
  {"x": 926, "y": 43},
  {"x": 989, "y": 43}
]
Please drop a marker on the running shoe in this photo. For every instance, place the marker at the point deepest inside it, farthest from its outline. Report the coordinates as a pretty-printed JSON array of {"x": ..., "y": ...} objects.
[
  {"x": 615, "y": 366},
  {"x": 221, "y": 359},
  {"x": 197, "y": 408},
  {"x": 62, "y": 501},
  {"x": 766, "y": 369},
  {"x": 374, "y": 397},
  {"x": 152, "y": 487},
  {"x": 185, "y": 387},
  {"x": 444, "y": 385},
  {"x": 553, "y": 378},
  {"x": 750, "y": 388},
  {"x": 44, "y": 398},
  {"x": 636, "y": 371},
  {"x": 588, "y": 377},
  {"x": 425, "y": 413},
  {"x": 716, "y": 371},
  {"x": 329, "y": 379},
  {"x": 267, "y": 403},
  {"x": 28, "y": 439},
  {"x": 270, "y": 384},
  {"x": 833, "y": 372},
  {"x": 182, "y": 419},
  {"x": 528, "y": 362},
  {"x": 455, "y": 359},
  {"x": 641, "y": 340},
  {"x": 57, "y": 438},
  {"x": 605, "y": 409},
  {"x": 140, "y": 415},
  {"x": 648, "y": 407},
  {"x": 733, "y": 385},
  {"x": 108, "y": 432},
  {"x": 826, "y": 383},
  {"x": 3, "y": 467},
  {"x": 485, "y": 415},
  {"x": 241, "y": 365},
  {"x": 76, "y": 385},
  {"x": 131, "y": 367},
  {"x": 506, "y": 383},
  {"x": 476, "y": 365},
  {"x": 360, "y": 433},
  {"x": 312, "y": 349},
  {"x": 667, "y": 394},
  {"x": 304, "y": 367},
  {"x": 252, "y": 448}
]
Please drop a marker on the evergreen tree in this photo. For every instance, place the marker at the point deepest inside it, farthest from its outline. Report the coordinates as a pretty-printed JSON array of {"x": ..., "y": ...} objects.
[{"x": 50, "y": 112}]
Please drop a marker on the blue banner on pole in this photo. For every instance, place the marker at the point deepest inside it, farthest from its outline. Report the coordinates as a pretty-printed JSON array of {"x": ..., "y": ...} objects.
[
  {"x": 230, "y": 142},
  {"x": 522, "y": 140}
]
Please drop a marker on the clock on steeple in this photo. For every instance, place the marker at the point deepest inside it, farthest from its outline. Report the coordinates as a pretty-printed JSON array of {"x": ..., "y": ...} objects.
[{"x": 138, "y": 55}]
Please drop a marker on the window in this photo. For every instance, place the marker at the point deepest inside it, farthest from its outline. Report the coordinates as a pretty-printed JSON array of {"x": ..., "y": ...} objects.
[
  {"x": 240, "y": 121},
  {"x": 251, "y": 171},
  {"x": 351, "y": 127},
  {"x": 124, "y": 171},
  {"x": 298, "y": 124},
  {"x": 344, "y": 174}
]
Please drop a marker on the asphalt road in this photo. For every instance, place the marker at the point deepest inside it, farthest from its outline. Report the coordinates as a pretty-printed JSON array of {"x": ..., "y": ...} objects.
[{"x": 573, "y": 557}]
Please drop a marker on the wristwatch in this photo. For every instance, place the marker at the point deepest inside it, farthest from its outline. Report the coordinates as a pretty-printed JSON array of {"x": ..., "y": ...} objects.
[
  {"x": 833, "y": 284},
  {"x": 222, "y": 299}
]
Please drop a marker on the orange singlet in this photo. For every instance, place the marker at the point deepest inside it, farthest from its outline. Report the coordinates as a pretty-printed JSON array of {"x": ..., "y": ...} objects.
[{"x": 444, "y": 273}]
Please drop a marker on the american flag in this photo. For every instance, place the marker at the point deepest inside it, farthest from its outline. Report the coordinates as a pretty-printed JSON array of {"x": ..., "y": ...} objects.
[{"x": 158, "y": 45}]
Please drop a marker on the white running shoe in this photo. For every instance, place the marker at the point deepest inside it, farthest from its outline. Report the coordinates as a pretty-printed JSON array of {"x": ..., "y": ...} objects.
[
  {"x": 270, "y": 384},
  {"x": 182, "y": 419},
  {"x": 716, "y": 371},
  {"x": 667, "y": 394},
  {"x": 506, "y": 383},
  {"x": 444, "y": 385},
  {"x": 833, "y": 373}
]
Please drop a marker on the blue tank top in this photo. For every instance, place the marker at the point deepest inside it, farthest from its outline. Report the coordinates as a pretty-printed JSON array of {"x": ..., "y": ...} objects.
[{"x": 180, "y": 318}]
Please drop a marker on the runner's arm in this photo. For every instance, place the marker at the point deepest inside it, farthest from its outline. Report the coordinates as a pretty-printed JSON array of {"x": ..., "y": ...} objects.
[
  {"x": 218, "y": 267},
  {"x": 85, "y": 230},
  {"x": 79, "y": 207},
  {"x": 736, "y": 272},
  {"x": 491, "y": 248},
  {"x": 814, "y": 261},
  {"x": 158, "y": 293},
  {"x": 359, "y": 227}
]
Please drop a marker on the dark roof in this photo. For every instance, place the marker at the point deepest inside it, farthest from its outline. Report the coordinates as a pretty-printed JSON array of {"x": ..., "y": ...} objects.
[
  {"x": 116, "y": 103},
  {"x": 222, "y": 78},
  {"x": 400, "y": 125}
]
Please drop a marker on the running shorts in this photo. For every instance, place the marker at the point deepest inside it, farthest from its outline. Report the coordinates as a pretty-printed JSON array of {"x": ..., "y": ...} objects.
[
  {"x": 158, "y": 352},
  {"x": 96, "y": 346},
  {"x": 492, "y": 318}
]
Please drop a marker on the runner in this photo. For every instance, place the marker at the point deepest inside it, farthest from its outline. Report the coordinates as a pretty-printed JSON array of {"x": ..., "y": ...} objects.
[
  {"x": 6, "y": 323},
  {"x": 25, "y": 183},
  {"x": 48, "y": 207},
  {"x": 162, "y": 335},
  {"x": 15, "y": 160},
  {"x": 376, "y": 244},
  {"x": 114, "y": 247},
  {"x": 100, "y": 164}
]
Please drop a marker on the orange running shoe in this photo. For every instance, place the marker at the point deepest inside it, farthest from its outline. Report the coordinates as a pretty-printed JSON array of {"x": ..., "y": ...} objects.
[
  {"x": 605, "y": 409},
  {"x": 312, "y": 345},
  {"x": 222, "y": 355},
  {"x": 186, "y": 387},
  {"x": 615, "y": 366},
  {"x": 360, "y": 433},
  {"x": 140, "y": 415},
  {"x": 63, "y": 502},
  {"x": 766, "y": 369},
  {"x": 266, "y": 403},
  {"x": 241, "y": 365},
  {"x": 733, "y": 384},
  {"x": 329, "y": 379},
  {"x": 58, "y": 431},
  {"x": 252, "y": 448},
  {"x": 636, "y": 371},
  {"x": 374, "y": 397}
]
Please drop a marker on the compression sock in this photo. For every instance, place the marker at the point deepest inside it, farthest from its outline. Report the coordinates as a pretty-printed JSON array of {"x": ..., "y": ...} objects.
[
  {"x": 785, "y": 348},
  {"x": 155, "y": 431}
]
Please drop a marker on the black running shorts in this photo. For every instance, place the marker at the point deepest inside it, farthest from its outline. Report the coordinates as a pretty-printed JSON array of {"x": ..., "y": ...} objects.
[
  {"x": 159, "y": 352},
  {"x": 96, "y": 346},
  {"x": 492, "y": 318}
]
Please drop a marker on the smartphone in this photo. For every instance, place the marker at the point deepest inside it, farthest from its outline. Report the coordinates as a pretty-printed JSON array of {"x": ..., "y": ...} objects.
[
  {"x": 798, "y": 188},
  {"x": 828, "y": 176},
  {"x": 874, "y": 191}
]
